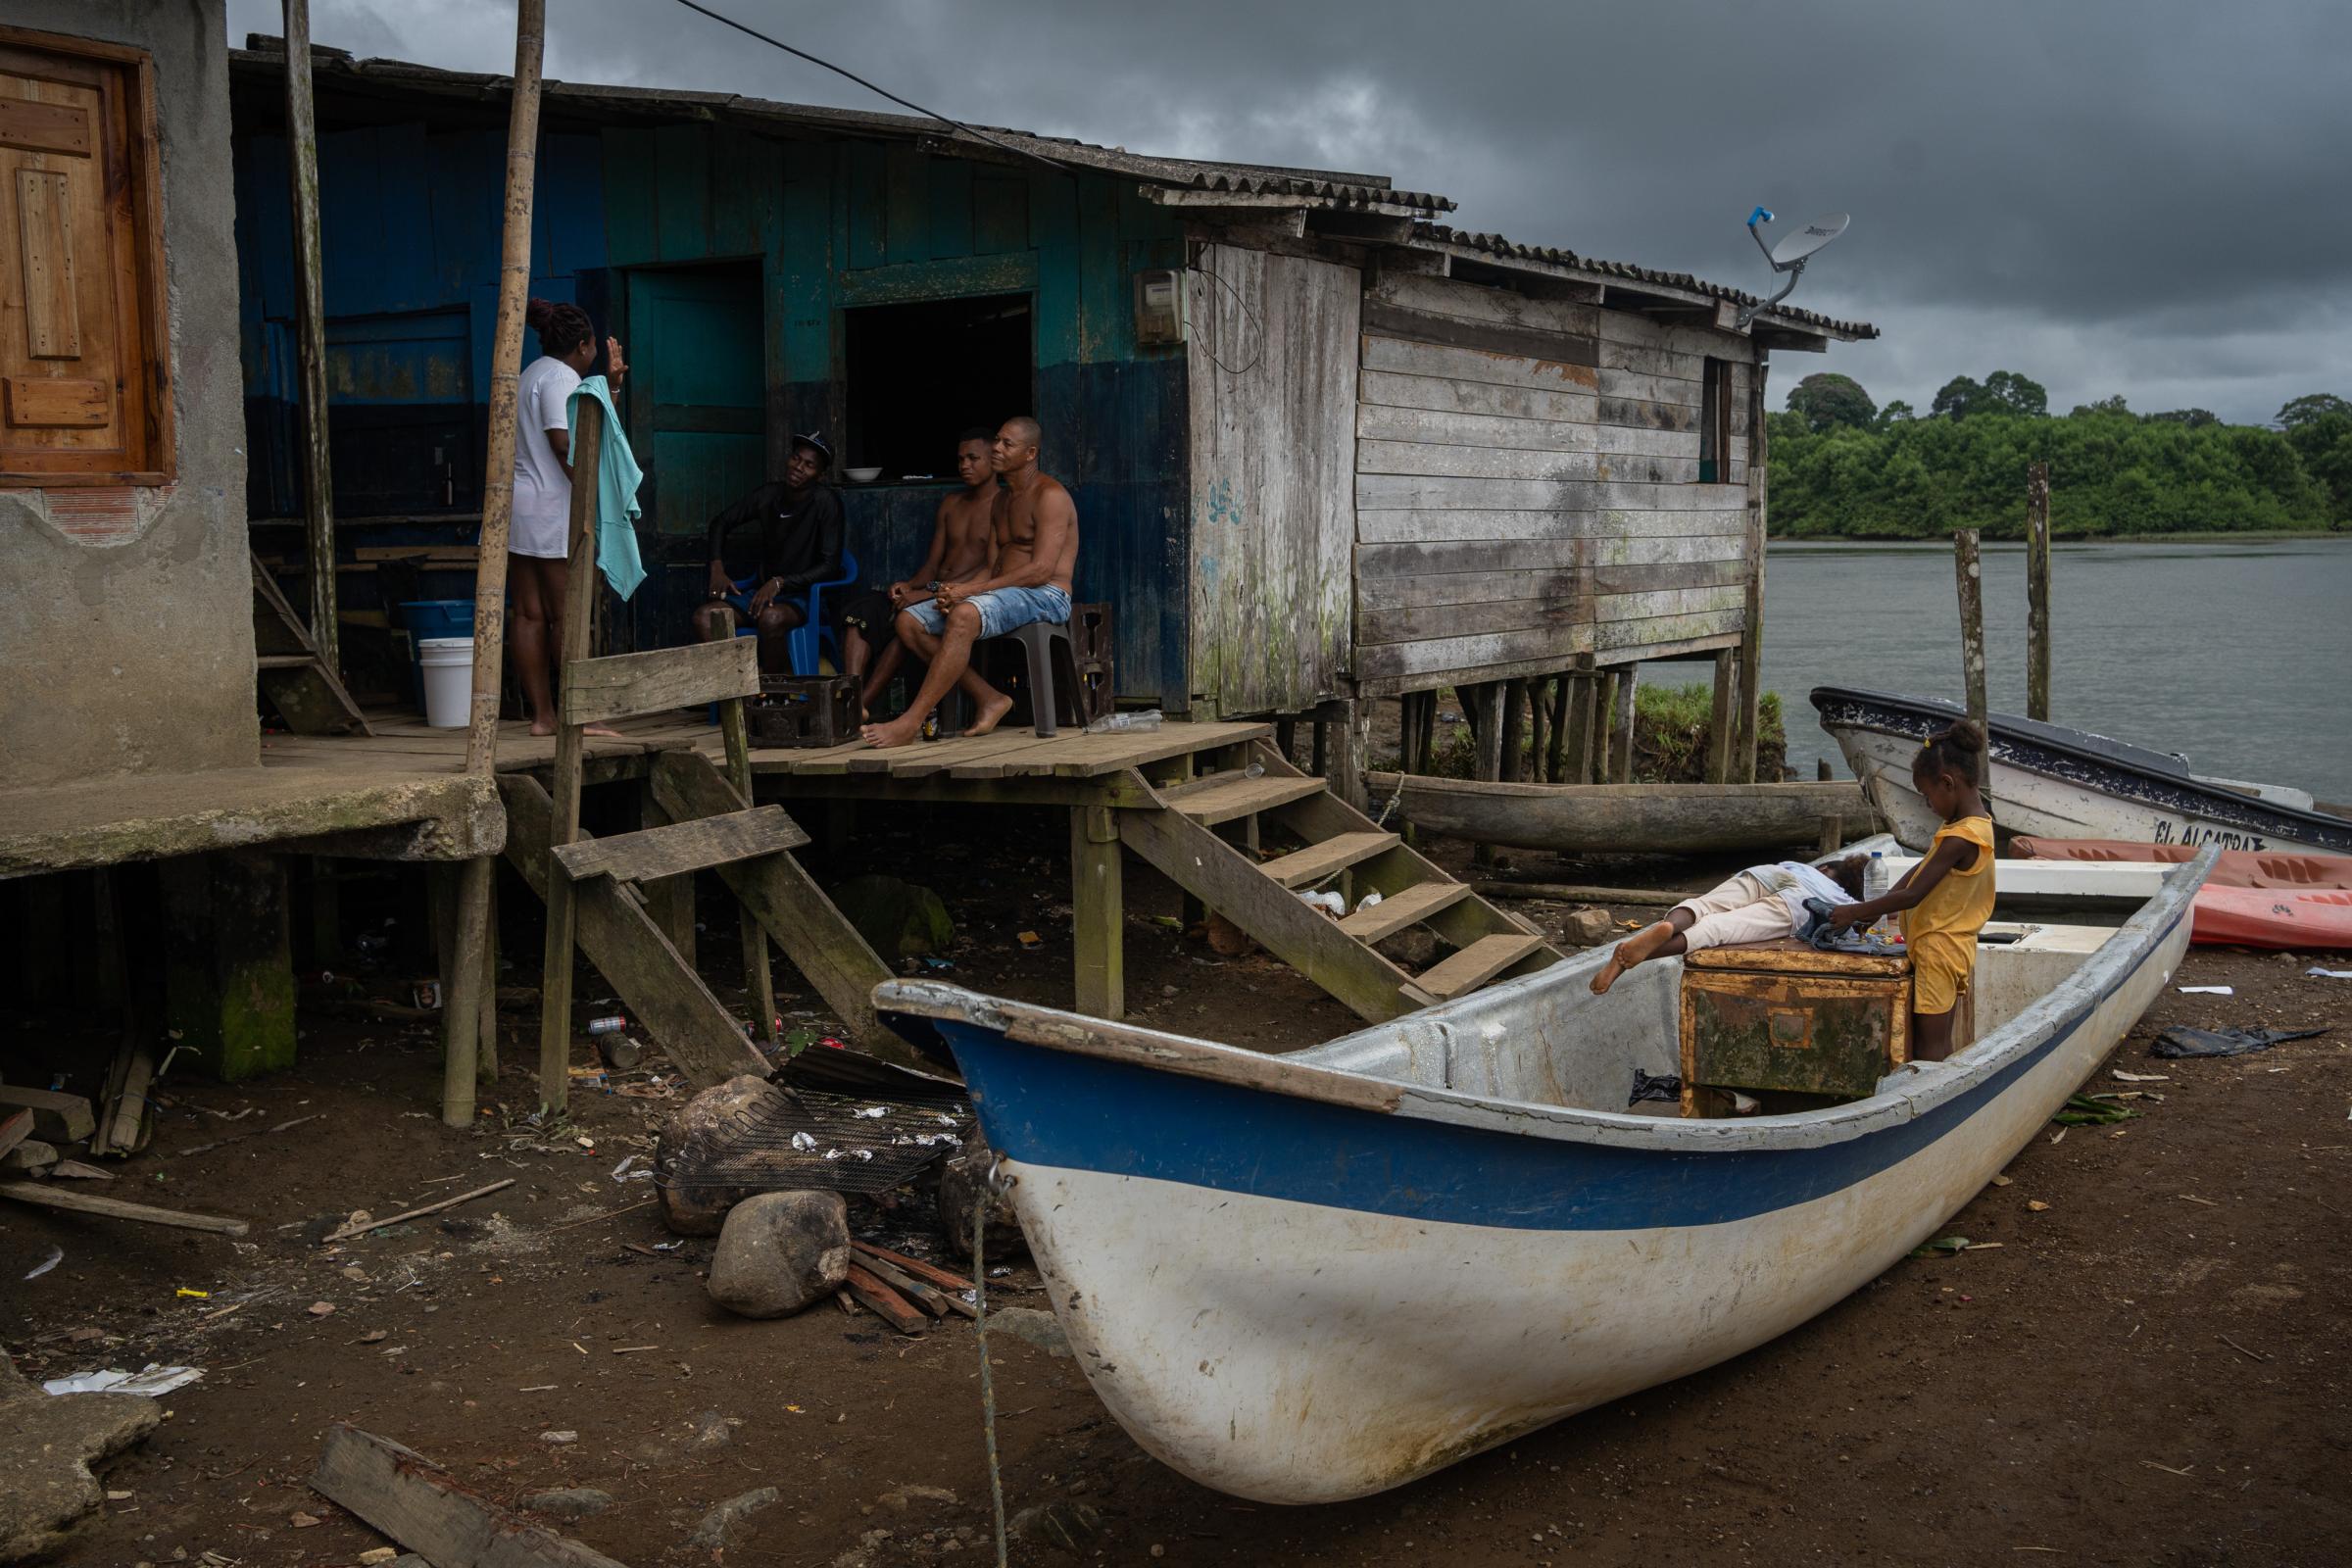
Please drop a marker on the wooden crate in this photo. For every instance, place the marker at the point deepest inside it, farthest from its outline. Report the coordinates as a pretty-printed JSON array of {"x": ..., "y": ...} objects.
[
  {"x": 793, "y": 711},
  {"x": 1781, "y": 1017}
]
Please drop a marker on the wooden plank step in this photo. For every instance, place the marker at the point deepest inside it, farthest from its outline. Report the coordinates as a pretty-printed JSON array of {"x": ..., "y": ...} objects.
[
  {"x": 1224, "y": 800},
  {"x": 596, "y": 690},
  {"x": 1397, "y": 911},
  {"x": 1476, "y": 964},
  {"x": 1319, "y": 861},
  {"x": 698, "y": 845}
]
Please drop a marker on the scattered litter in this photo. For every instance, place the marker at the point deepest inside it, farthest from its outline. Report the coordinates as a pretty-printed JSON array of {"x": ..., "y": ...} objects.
[
  {"x": 2191, "y": 1197},
  {"x": 1367, "y": 901},
  {"x": 186, "y": 1293},
  {"x": 2081, "y": 1110},
  {"x": 2036, "y": 1206},
  {"x": 1029, "y": 938},
  {"x": 633, "y": 1349},
  {"x": 375, "y": 1337},
  {"x": 2317, "y": 973},
  {"x": 2209, "y": 991},
  {"x": 150, "y": 1379},
  {"x": 57, "y": 1255},
  {"x": 303, "y": 1521},
  {"x": 376, "y": 1554},
  {"x": 540, "y": 1388},
  {"x": 2181, "y": 1041},
  {"x": 1331, "y": 904},
  {"x": 322, "y": 1308},
  {"x": 2167, "y": 1469},
  {"x": 2000, "y": 1181},
  {"x": 2251, "y": 1355},
  {"x": 558, "y": 1438},
  {"x": 939, "y": 966},
  {"x": 804, "y": 1140},
  {"x": 2122, "y": 1076},
  {"x": 872, "y": 1112},
  {"x": 1666, "y": 1086},
  {"x": 1943, "y": 1244}
]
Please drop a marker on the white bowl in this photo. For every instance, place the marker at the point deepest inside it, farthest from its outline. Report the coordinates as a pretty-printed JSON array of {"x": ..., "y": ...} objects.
[{"x": 861, "y": 475}]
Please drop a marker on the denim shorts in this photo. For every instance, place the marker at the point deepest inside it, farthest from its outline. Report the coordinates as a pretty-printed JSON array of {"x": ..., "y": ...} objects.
[{"x": 1001, "y": 610}]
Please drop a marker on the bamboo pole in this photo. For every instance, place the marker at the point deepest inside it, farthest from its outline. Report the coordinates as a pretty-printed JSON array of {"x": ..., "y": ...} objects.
[
  {"x": 310, "y": 335},
  {"x": 564, "y": 825},
  {"x": 2037, "y": 591},
  {"x": 463, "y": 1007},
  {"x": 1751, "y": 634},
  {"x": 1968, "y": 569}
]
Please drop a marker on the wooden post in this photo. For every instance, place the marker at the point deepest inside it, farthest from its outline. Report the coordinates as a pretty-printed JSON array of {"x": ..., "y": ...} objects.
[
  {"x": 758, "y": 981},
  {"x": 1539, "y": 727},
  {"x": 1577, "y": 764},
  {"x": 1621, "y": 726},
  {"x": 1604, "y": 726},
  {"x": 460, "y": 1058},
  {"x": 1098, "y": 911},
  {"x": 1969, "y": 570},
  {"x": 1286, "y": 738},
  {"x": 1555, "y": 764},
  {"x": 309, "y": 334},
  {"x": 2037, "y": 591},
  {"x": 1751, "y": 634},
  {"x": 1350, "y": 735},
  {"x": 562, "y": 914},
  {"x": 1487, "y": 721},
  {"x": 1724, "y": 716},
  {"x": 1512, "y": 741}
]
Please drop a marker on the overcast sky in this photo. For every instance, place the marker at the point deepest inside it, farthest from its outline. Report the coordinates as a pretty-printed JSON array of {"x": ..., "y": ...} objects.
[{"x": 2147, "y": 198}]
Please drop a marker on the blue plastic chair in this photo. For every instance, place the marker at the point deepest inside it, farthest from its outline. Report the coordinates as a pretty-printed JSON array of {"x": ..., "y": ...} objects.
[{"x": 805, "y": 643}]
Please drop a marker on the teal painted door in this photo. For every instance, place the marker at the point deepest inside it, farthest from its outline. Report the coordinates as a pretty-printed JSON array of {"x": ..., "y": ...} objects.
[{"x": 700, "y": 399}]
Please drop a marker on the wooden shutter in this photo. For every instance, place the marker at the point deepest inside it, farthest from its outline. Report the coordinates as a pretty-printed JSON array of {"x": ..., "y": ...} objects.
[{"x": 84, "y": 383}]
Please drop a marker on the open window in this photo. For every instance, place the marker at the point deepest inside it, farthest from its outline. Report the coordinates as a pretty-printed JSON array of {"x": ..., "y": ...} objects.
[
  {"x": 918, "y": 375},
  {"x": 1715, "y": 423},
  {"x": 85, "y": 386}
]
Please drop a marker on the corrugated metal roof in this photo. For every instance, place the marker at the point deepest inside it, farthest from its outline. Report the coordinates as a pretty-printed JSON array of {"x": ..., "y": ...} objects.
[
  {"x": 1323, "y": 187},
  {"x": 1507, "y": 250}
]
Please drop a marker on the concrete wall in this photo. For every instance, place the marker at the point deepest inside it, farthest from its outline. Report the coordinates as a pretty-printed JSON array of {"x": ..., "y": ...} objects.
[{"x": 126, "y": 615}]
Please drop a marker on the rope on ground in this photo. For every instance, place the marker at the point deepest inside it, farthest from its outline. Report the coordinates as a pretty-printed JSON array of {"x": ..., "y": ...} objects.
[{"x": 988, "y": 1387}]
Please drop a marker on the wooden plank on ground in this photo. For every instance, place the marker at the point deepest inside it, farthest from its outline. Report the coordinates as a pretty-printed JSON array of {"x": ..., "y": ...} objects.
[
  {"x": 422, "y": 1507},
  {"x": 883, "y": 1301},
  {"x": 814, "y": 935},
  {"x": 56, "y": 1116},
  {"x": 621, "y": 939},
  {"x": 596, "y": 690},
  {"x": 677, "y": 848},
  {"x": 44, "y": 1195},
  {"x": 15, "y": 1127}
]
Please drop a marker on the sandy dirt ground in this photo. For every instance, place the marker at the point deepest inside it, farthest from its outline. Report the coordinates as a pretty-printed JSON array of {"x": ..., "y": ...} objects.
[{"x": 2153, "y": 1368}]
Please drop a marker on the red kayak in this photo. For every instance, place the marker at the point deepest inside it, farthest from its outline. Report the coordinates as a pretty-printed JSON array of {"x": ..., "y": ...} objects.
[{"x": 2252, "y": 900}]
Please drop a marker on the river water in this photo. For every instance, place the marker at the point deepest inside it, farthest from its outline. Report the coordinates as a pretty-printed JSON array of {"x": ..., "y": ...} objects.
[{"x": 2239, "y": 654}]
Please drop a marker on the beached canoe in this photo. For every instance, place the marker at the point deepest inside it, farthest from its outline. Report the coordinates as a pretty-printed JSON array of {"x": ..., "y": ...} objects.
[
  {"x": 1306, "y": 1278},
  {"x": 2251, "y": 899},
  {"x": 1606, "y": 818},
  {"x": 2054, "y": 782}
]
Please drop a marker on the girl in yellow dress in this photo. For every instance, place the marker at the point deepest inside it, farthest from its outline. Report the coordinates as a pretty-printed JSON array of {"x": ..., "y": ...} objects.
[{"x": 1946, "y": 899}]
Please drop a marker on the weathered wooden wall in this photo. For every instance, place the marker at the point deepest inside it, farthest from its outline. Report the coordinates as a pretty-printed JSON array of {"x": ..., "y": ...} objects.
[
  {"x": 1528, "y": 488},
  {"x": 1272, "y": 401}
]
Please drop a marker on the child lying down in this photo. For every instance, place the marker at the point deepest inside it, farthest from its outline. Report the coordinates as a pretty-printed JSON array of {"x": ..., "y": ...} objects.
[{"x": 1762, "y": 904}]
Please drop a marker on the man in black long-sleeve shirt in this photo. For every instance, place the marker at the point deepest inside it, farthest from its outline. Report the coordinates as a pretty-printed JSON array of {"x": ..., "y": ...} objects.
[{"x": 799, "y": 518}]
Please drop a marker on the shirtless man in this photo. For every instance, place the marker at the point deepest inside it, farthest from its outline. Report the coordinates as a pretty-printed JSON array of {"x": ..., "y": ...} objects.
[
  {"x": 1036, "y": 529},
  {"x": 962, "y": 539}
]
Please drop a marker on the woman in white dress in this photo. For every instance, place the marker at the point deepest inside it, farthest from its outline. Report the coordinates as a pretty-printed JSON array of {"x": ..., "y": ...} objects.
[{"x": 537, "y": 546}]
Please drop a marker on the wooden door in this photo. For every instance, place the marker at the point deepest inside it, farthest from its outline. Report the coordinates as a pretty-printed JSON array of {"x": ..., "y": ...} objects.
[
  {"x": 698, "y": 399},
  {"x": 84, "y": 392}
]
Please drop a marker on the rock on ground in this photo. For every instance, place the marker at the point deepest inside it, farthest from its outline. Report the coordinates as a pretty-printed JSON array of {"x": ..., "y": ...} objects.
[
  {"x": 706, "y": 1130},
  {"x": 712, "y": 1534},
  {"x": 962, "y": 1175},
  {"x": 1041, "y": 1329},
  {"x": 1588, "y": 927},
  {"x": 48, "y": 1442},
  {"x": 569, "y": 1503},
  {"x": 781, "y": 1251}
]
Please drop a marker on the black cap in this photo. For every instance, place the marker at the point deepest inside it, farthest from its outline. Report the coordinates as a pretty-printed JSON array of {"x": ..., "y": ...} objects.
[{"x": 815, "y": 443}]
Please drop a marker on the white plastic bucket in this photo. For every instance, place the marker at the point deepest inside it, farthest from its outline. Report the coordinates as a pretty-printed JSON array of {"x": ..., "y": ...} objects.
[{"x": 448, "y": 680}]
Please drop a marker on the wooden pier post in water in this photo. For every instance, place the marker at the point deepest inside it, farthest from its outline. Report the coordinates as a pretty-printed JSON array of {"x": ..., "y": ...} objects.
[
  {"x": 461, "y": 1008},
  {"x": 2037, "y": 591},
  {"x": 310, "y": 336},
  {"x": 1968, "y": 569},
  {"x": 1751, "y": 634}
]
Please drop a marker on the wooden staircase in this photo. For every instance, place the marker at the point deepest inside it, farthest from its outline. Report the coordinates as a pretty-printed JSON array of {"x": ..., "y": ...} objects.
[
  {"x": 1216, "y": 836},
  {"x": 308, "y": 695}
]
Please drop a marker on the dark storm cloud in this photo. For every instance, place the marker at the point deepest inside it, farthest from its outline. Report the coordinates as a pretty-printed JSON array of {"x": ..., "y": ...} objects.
[{"x": 2144, "y": 198}]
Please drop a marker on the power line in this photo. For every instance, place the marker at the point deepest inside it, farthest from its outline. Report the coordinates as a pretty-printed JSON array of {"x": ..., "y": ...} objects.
[{"x": 904, "y": 103}]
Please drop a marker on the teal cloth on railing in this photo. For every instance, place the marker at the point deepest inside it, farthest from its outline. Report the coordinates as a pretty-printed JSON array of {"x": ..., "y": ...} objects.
[{"x": 616, "y": 479}]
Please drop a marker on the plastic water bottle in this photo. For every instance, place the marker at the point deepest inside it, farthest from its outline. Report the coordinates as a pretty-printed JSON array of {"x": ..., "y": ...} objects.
[
  {"x": 1878, "y": 878},
  {"x": 1113, "y": 723}
]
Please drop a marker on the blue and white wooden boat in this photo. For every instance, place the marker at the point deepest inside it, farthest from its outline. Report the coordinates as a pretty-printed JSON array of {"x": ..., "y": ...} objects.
[{"x": 1306, "y": 1278}]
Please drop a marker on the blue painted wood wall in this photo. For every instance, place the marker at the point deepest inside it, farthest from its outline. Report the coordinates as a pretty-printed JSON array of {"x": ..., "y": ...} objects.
[{"x": 410, "y": 215}]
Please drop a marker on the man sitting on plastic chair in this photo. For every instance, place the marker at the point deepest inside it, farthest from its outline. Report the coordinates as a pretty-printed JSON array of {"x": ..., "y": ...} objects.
[
  {"x": 799, "y": 518},
  {"x": 1036, "y": 527}
]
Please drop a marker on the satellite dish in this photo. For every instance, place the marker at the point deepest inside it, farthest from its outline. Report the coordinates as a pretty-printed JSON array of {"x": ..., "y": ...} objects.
[
  {"x": 1794, "y": 248},
  {"x": 1790, "y": 251}
]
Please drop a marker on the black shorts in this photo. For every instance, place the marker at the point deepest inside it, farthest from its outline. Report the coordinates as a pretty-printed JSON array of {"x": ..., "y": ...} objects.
[{"x": 869, "y": 609}]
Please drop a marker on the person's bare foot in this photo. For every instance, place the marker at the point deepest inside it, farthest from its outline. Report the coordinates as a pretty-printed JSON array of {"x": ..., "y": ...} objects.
[
  {"x": 901, "y": 731},
  {"x": 543, "y": 726},
  {"x": 1636, "y": 949},
  {"x": 605, "y": 730},
  {"x": 990, "y": 715}
]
